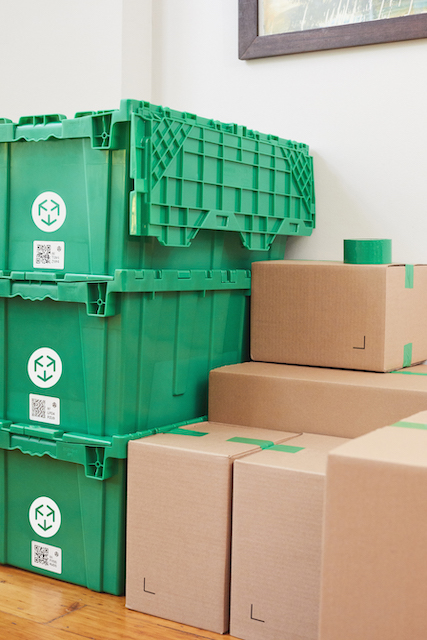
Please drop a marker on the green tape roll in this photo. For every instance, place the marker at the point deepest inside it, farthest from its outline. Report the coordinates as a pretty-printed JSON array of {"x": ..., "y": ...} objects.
[{"x": 367, "y": 251}]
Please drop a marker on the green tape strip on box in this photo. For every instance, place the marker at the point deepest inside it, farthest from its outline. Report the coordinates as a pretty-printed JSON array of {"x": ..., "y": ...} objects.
[
  {"x": 286, "y": 448},
  {"x": 410, "y": 425},
  {"x": 409, "y": 276},
  {"x": 407, "y": 355},
  {"x": 409, "y": 284},
  {"x": 263, "y": 444},
  {"x": 267, "y": 444},
  {"x": 409, "y": 373},
  {"x": 188, "y": 432}
]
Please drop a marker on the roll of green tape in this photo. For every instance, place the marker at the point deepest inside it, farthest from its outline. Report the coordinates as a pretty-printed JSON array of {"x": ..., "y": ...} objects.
[{"x": 367, "y": 251}]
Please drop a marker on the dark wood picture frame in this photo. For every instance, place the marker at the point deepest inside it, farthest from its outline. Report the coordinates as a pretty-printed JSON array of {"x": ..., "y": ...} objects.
[{"x": 252, "y": 45}]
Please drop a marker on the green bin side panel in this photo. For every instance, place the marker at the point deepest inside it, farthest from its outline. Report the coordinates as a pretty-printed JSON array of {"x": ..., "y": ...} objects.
[
  {"x": 92, "y": 532},
  {"x": 145, "y": 367},
  {"x": 202, "y": 177},
  {"x": 93, "y": 185},
  {"x": 3, "y": 506}
]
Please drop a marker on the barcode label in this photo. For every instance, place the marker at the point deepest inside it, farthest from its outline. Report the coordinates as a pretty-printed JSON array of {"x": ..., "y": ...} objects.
[
  {"x": 44, "y": 409},
  {"x": 48, "y": 255},
  {"x": 45, "y": 556}
]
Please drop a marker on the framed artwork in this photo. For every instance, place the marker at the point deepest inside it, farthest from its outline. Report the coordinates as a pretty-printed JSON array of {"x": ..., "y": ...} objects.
[{"x": 279, "y": 27}]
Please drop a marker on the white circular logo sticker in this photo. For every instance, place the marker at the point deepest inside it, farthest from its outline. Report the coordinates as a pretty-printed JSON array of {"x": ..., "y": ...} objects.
[
  {"x": 44, "y": 367},
  {"x": 45, "y": 517},
  {"x": 48, "y": 211}
]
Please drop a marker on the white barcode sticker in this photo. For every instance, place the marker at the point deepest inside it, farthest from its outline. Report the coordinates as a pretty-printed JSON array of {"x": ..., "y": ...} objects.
[
  {"x": 44, "y": 409},
  {"x": 48, "y": 255},
  {"x": 45, "y": 556}
]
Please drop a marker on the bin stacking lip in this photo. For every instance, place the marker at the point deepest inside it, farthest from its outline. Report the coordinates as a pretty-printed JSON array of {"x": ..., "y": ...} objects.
[
  {"x": 98, "y": 293},
  {"x": 124, "y": 354},
  {"x": 96, "y": 454},
  {"x": 121, "y": 188}
]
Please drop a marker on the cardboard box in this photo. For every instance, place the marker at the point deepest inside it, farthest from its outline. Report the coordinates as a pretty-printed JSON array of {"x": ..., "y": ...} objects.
[
  {"x": 330, "y": 314},
  {"x": 179, "y": 520},
  {"x": 278, "y": 498},
  {"x": 333, "y": 402},
  {"x": 374, "y": 575}
]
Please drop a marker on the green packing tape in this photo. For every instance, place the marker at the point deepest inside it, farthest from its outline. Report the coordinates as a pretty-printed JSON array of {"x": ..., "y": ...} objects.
[
  {"x": 410, "y": 425},
  {"x": 188, "y": 432},
  {"x": 286, "y": 448},
  {"x": 264, "y": 444},
  {"x": 409, "y": 373},
  {"x": 407, "y": 355},
  {"x": 409, "y": 276}
]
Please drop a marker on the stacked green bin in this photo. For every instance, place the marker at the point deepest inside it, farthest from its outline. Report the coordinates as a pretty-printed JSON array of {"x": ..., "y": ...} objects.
[
  {"x": 63, "y": 504},
  {"x": 147, "y": 187},
  {"x": 86, "y": 365},
  {"x": 127, "y": 238},
  {"x": 117, "y": 356}
]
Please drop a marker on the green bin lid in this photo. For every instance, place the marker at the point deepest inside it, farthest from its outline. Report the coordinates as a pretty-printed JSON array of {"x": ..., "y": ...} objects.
[{"x": 367, "y": 251}]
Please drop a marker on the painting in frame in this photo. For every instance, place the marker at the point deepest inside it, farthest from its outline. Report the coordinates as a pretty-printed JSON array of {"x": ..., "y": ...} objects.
[{"x": 279, "y": 27}]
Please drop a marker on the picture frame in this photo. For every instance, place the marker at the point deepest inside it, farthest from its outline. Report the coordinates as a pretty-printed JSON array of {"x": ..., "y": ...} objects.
[{"x": 252, "y": 45}]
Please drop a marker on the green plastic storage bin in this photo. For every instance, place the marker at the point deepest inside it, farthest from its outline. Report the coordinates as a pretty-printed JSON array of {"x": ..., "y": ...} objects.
[
  {"x": 147, "y": 187},
  {"x": 63, "y": 504},
  {"x": 118, "y": 356}
]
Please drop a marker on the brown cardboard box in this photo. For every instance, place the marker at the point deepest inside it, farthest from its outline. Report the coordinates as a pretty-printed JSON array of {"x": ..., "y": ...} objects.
[
  {"x": 330, "y": 314},
  {"x": 333, "y": 402},
  {"x": 278, "y": 500},
  {"x": 374, "y": 575},
  {"x": 179, "y": 520}
]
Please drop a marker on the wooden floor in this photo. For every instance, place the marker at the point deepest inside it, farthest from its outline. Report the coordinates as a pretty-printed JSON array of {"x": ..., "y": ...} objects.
[{"x": 33, "y": 607}]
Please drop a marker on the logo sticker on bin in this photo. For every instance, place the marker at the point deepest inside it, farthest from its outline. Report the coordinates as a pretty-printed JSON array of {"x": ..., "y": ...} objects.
[
  {"x": 44, "y": 367},
  {"x": 45, "y": 517},
  {"x": 48, "y": 211}
]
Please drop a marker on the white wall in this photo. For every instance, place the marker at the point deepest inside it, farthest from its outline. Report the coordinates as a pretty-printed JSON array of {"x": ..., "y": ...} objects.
[
  {"x": 361, "y": 110},
  {"x": 62, "y": 57}
]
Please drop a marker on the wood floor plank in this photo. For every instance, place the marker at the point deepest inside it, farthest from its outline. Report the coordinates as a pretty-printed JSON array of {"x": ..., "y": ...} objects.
[
  {"x": 42, "y": 608},
  {"x": 39, "y": 600},
  {"x": 110, "y": 607},
  {"x": 16, "y": 628},
  {"x": 87, "y": 623}
]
